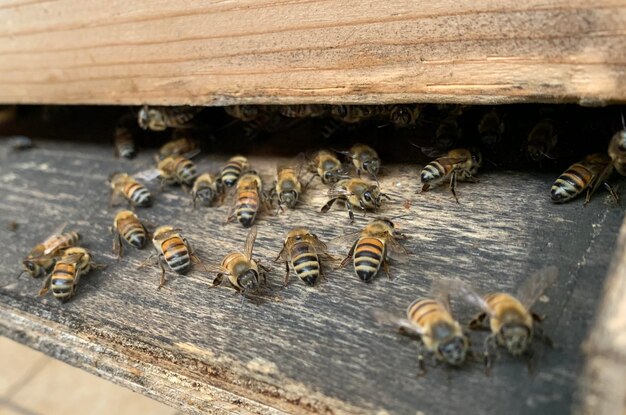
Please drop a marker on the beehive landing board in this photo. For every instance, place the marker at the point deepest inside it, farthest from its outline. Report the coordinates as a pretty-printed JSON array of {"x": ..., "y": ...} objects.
[{"x": 310, "y": 350}]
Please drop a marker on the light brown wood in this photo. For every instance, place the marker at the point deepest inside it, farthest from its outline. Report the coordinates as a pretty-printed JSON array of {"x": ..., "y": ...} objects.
[
  {"x": 221, "y": 53},
  {"x": 603, "y": 383}
]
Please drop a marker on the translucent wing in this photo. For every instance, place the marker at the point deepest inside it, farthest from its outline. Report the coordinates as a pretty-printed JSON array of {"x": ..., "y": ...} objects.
[
  {"x": 536, "y": 284},
  {"x": 218, "y": 269},
  {"x": 249, "y": 246},
  {"x": 442, "y": 295},
  {"x": 71, "y": 259},
  {"x": 297, "y": 163},
  {"x": 463, "y": 290},
  {"x": 148, "y": 175},
  {"x": 50, "y": 248},
  {"x": 338, "y": 191},
  {"x": 387, "y": 319},
  {"x": 345, "y": 239},
  {"x": 164, "y": 235},
  {"x": 316, "y": 243},
  {"x": 396, "y": 250},
  {"x": 601, "y": 178}
]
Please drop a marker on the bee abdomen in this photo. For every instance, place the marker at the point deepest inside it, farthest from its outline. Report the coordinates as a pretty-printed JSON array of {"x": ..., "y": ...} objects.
[
  {"x": 138, "y": 194},
  {"x": 247, "y": 207},
  {"x": 186, "y": 171},
  {"x": 432, "y": 172},
  {"x": 368, "y": 255},
  {"x": 422, "y": 308},
  {"x": 306, "y": 264},
  {"x": 124, "y": 143},
  {"x": 135, "y": 235},
  {"x": 176, "y": 255},
  {"x": 205, "y": 194},
  {"x": 570, "y": 184},
  {"x": 62, "y": 281},
  {"x": 230, "y": 173}
]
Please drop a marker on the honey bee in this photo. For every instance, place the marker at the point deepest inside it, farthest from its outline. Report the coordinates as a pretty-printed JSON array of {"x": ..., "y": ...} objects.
[
  {"x": 513, "y": 325},
  {"x": 173, "y": 249},
  {"x": 43, "y": 256},
  {"x": 491, "y": 128},
  {"x": 177, "y": 170},
  {"x": 302, "y": 111},
  {"x": 541, "y": 140},
  {"x": 375, "y": 244},
  {"x": 460, "y": 163},
  {"x": 302, "y": 249},
  {"x": 124, "y": 142},
  {"x": 244, "y": 112},
  {"x": 365, "y": 159},
  {"x": 617, "y": 150},
  {"x": 439, "y": 332},
  {"x": 249, "y": 196},
  {"x": 355, "y": 193},
  {"x": 206, "y": 188},
  {"x": 287, "y": 187},
  {"x": 448, "y": 133},
  {"x": 404, "y": 115},
  {"x": 245, "y": 274},
  {"x": 64, "y": 278},
  {"x": 327, "y": 166},
  {"x": 160, "y": 118},
  {"x": 351, "y": 114},
  {"x": 127, "y": 225},
  {"x": 588, "y": 174},
  {"x": 181, "y": 146},
  {"x": 134, "y": 192},
  {"x": 232, "y": 170}
]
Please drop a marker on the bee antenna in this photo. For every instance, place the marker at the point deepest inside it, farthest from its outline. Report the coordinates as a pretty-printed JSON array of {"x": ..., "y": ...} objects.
[
  {"x": 20, "y": 274},
  {"x": 384, "y": 125},
  {"x": 623, "y": 123}
]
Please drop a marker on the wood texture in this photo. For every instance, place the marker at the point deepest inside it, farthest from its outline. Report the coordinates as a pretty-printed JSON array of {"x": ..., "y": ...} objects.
[
  {"x": 603, "y": 384},
  {"x": 310, "y": 350},
  {"x": 271, "y": 52}
]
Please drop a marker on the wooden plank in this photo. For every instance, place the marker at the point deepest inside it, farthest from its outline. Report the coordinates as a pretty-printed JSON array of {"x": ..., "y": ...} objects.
[
  {"x": 325, "y": 51},
  {"x": 314, "y": 350},
  {"x": 603, "y": 384}
]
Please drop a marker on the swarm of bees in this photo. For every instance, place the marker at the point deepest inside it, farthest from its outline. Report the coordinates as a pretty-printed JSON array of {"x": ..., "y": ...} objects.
[{"x": 351, "y": 177}]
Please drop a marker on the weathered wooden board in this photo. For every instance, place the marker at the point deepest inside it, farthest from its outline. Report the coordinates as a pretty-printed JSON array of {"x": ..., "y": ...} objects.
[
  {"x": 312, "y": 350},
  {"x": 221, "y": 53},
  {"x": 602, "y": 385}
]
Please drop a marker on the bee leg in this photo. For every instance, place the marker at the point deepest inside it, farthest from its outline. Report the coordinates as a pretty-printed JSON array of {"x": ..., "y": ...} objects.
[
  {"x": 117, "y": 245},
  {"x": 217, "y": 281},
  {"x": 349, "y": 256},
  {"x": 477, "y": 322},
  {"x": 350, "y": 212},
  {"x": 162, "y": 281},
  {"x": 386, "y": 196},
  {"x": 425, "y": 187},
  {"x": 489, "y": 345},
  {"x": 612, "y": 192},
  {"x": 286, "y": 274},
  {"x": 386, "y": 268},
  {"x": 144, "y": 263},
  {"x": 328, "y": 205},
  {"x": 531, "y": 363},
  {"x": 421, "y": 359},
  {"x": 543, "y": 337},
  {"x": 45, "y": 286},
  {"x": 453, "y": 186}
]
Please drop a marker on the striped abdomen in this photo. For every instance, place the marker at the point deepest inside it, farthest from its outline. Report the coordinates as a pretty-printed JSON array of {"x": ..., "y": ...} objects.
[
  {"x": 231, "y": 172},
  {"x": 124, "y": 143},
  {"x": 434, "y": 172},
  {"x": 63, "y": 281},
  {"x": 247, "y": 206},
  {"x": 132, "y": 231},
  {"x": 432, "y": 317},
  {"x": 369, "y": 253},
  {"x": 179, "y": 116},
  {"x": 185, "y": 171},
  {"x": 176, "y": 254},
  {"x": 137, "y": 194},
  {"x": 305, "y": 262},
  {"x": 571, "y": 183}
]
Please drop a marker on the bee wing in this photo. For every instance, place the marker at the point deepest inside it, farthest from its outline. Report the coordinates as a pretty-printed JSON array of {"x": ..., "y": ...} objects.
[
  {"x": 397, "y": 251},
  {"x": 249, "y": 246},
  {"x": 317, "y": 244},
  {"x": 148, "y": 175},
  {"x": 441, "y": 293},
  {"x": 431, "y": 152},
  {"x": 58, "y": 231},
  {"x": 218, "y": 269},
  {"x": 164, "y": 235},
  {"x": 463, "y": 290},
  {"x": 72, "y": 258},
  {"x": 387, "y": 319},
  {"x": 345, "y": 239},
  {"x": 601, "y": 178},
  {"x": 536, "y": 284}
]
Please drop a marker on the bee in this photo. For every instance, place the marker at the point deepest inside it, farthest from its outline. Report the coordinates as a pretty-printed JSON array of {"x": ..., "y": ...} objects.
[
  {"x": 404, "y": 115},
  {"x": 134, "y": 192},
  {"x": 127, "y": 225},
  {"x": 365, "y": 159},
  {"x": 448, "y": 133},
  {"x": 206, "y": 188},
  {"x": 512, "y": 323},
  {"x": 287, "y": 187},
  {"x": 588, "y": 174},
  {"x": 541, "y": 140},
  {"x": 327, "y": 166},
  {"x": 160, "y": 118},
  {"x": 375, "y": 244},
  {"x": 43, "y": 256},
  {"x": 302, "y": 249},
  {"x": 245, "y": 274},
  {"x": 64, "y": 278},
  {"x": 460, "y": 163},
  {"x": 177, "y": 170},
  {"x": 173, "y": 249},
  {"x": 244, "y": 112},
  {"x": 124, "y": 142},
  {"x": 439, "y": 332},
  {"x": 491, "y": 128},
  {"x": 355, "y": 193},
  {"x": 352, "y": 114},
  {"x": 181, "y": 146},
  {"x": 232, "y": 170},
  {"x": 302, "y": 111},
  {"x": 249, "y": 196},
  {"x": 617, "y": 150}
]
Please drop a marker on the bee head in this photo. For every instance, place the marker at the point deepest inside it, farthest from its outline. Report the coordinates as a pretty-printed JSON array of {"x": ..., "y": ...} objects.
[
  {"x": 372, "y": 166},
  {"x": 477, "y": 158},
  {"x": 371, "y": 198},
  {"x": 401, "y": 116},
  {"x": 517, "y": 338},
  {"x": 453, "y": 351},
  {"x": 143, "y": 118},
  {"x": 32, "y": 268},
  {"x": 249, "y": 280},
  {"x": 289, "y": 198}
]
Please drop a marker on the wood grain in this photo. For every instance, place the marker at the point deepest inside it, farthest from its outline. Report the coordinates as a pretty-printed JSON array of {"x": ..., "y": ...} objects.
[
  {"x": 603, "y": 384},
  {"x": 222, "y": 53},
  {"x": 310, "y": 350}
]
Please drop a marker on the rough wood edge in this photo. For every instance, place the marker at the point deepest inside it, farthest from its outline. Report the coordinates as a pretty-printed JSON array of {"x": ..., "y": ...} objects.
[{"x": 602, "y": 385}]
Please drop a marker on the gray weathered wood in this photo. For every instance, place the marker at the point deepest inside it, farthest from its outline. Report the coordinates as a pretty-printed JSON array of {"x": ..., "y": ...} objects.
[{"x": 312, "y": 350}]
